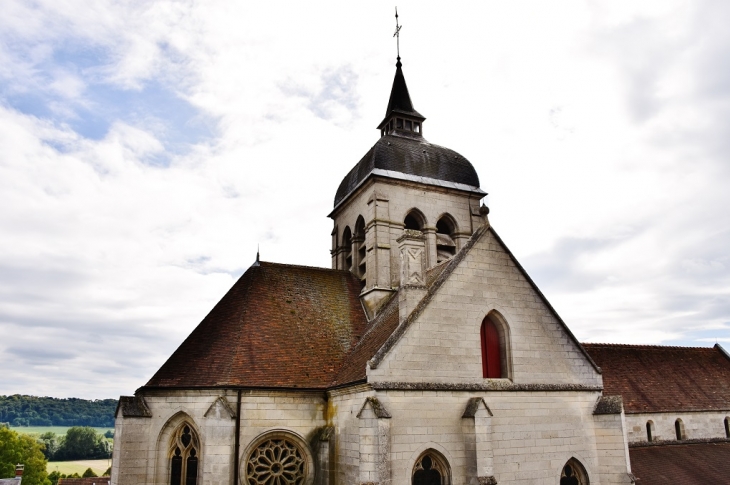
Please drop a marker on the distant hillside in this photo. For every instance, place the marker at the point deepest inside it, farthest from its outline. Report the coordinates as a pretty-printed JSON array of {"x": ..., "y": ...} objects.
[{"x": 50, "y": 411}]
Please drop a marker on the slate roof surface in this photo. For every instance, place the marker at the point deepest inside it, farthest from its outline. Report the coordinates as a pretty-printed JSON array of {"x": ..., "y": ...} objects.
[
  {"x": 687, "y": 464},
  {"x": 664, "y": 379},
  {"x": 410, "y": 156},
  {"x": 400, "y": 99},
  {"x": 279, "y": 326}
]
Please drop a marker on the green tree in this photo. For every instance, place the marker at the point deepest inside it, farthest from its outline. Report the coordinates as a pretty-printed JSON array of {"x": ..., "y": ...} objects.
[
  {"x": 20, "y": 448},
  {"x": 89, "y": 473},
  {"x": 50, "y": 441},
  {"x": 54, "y": 476},
  {"x": 82, "y": 442}
]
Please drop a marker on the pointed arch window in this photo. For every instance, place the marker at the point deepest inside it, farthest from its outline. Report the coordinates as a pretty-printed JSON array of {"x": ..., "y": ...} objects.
[
  {"x": 184, "y": 456},
  {"x": 431, "y": 468},
  {"x": 573, "y": 473},
  {"x": 445, "y": 245},
  {"x": 491, "y": 351}
]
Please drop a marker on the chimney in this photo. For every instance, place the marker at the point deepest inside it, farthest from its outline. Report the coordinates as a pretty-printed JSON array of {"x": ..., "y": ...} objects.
[
  {"x": 19, "y": 472},
  {"x": 412, "y": 246}
]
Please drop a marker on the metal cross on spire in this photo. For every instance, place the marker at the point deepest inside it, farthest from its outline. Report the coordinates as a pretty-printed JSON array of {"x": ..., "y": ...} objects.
[{"x": 397, "y": 35}]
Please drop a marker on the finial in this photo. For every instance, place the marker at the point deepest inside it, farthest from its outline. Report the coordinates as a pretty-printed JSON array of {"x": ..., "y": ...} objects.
[
  {"x": 397, "y": 37},
  {"x": 256, "y": 263}
]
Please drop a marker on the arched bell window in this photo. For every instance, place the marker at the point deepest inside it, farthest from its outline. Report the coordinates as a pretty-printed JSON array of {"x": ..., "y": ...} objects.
[
  {"x": 414, "y": 220},
  {"x": 347, "y": 246},
  {"x": 358, "y": 239},
  {"x": 445, "y": 244},
  {"x": 184, "y": 456},
  {"x": 573, "y": 473}
]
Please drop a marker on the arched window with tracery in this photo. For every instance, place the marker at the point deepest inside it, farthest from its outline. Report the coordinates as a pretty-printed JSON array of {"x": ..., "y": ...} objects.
[
  {"x": 445, "y": 243},
  {"x": 574, "y": 473},
  {"x": 184, "y": 456},
  {"x": 495, "y": 349},
  {"x": 431, "y": 468}
]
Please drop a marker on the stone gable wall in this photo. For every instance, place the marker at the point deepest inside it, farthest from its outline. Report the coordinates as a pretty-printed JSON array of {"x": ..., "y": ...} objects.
[{"x": 443, "y": 344}]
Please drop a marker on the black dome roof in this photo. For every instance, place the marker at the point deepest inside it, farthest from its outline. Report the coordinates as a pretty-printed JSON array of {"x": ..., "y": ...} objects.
[{"x": 410, "y": 156}]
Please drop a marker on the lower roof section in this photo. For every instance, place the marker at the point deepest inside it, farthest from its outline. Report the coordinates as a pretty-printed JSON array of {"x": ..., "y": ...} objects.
[{"x": 691, "y": 463}]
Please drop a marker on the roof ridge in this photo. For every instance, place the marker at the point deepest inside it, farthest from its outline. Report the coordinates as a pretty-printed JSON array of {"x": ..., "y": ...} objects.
[
  {"x": 657, "y": 346},
  {"x": 302, "y": 266}
]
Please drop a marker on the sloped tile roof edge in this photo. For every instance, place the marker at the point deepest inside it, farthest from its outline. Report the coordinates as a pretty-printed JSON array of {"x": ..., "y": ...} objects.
[{"x": 433, "y": 289}]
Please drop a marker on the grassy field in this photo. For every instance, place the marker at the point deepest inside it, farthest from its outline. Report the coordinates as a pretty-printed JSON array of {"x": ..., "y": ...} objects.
[
  {"x": 59, "y": 430},
  {"x": 80, "y": 466}
]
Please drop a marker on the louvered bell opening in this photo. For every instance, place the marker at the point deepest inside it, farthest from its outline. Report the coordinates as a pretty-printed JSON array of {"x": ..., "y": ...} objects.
[{"x": 445, "y": 247}]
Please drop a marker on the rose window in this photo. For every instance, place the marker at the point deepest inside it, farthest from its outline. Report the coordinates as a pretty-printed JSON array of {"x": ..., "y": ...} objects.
[{"x": 276, "y": 461}]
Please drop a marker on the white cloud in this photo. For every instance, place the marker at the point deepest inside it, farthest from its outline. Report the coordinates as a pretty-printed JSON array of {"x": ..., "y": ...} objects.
[{"x": 599, "y": 129}]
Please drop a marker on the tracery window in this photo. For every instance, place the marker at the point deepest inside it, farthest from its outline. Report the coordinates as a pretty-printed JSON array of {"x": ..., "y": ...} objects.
[
  {"x": 431, "y": 468},
  {"x": 573, "y": 473},
  {"x": 184, "y": 456},
  {"x": 277, "y": 460}
]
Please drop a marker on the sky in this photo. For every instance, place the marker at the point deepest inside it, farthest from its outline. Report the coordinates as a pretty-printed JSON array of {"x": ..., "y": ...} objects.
[{"x": 147, "y": 148}]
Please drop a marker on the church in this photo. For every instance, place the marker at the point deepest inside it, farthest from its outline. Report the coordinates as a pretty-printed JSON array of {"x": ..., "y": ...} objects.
[{"x": 425, "y": 355}]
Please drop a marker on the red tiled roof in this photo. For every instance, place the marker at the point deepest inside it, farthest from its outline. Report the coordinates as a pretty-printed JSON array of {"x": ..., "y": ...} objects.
[
  {"x": 355, "y": 366},
  {"x": 696, "y": 463},
  {"x": 84, "y": 481},
  {"x": 662, "y": 379},
  {"x": 279, "y": 326}
]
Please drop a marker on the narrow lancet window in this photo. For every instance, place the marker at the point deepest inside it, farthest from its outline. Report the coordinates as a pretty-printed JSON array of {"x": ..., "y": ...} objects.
[{"x": 491, "y": 352}]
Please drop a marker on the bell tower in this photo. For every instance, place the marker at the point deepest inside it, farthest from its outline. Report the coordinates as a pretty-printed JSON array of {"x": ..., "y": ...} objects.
[{"x": 403, "y": 184}]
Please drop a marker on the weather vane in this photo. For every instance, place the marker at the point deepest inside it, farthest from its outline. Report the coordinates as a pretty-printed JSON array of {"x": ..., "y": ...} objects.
[{"x": 397, "y": 33}]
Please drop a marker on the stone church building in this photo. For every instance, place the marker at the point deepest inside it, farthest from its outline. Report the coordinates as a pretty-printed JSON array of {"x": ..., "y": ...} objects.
[{"x": 425, "y": 355}]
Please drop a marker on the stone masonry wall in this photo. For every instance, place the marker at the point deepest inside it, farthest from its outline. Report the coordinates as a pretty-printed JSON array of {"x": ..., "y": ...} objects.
[
  {"x": 141, "y": 445},
  {"x": 533, "y": 435},
  {"x": 697, "y": 425}
]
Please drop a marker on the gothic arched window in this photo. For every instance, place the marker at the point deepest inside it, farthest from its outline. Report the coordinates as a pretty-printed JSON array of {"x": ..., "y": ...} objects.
[
  {"x": 431, "y": 468},
  {"x": 445, "y": 245},
  {"x": 358, "y": 239},
  {"x": 184, "y": 456},
  {"x": 414, "y": 220},
  {"x": 347, "y": 247},
  {"x": 493, "y": 346},
  {"x": 573, "y": 473}
]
